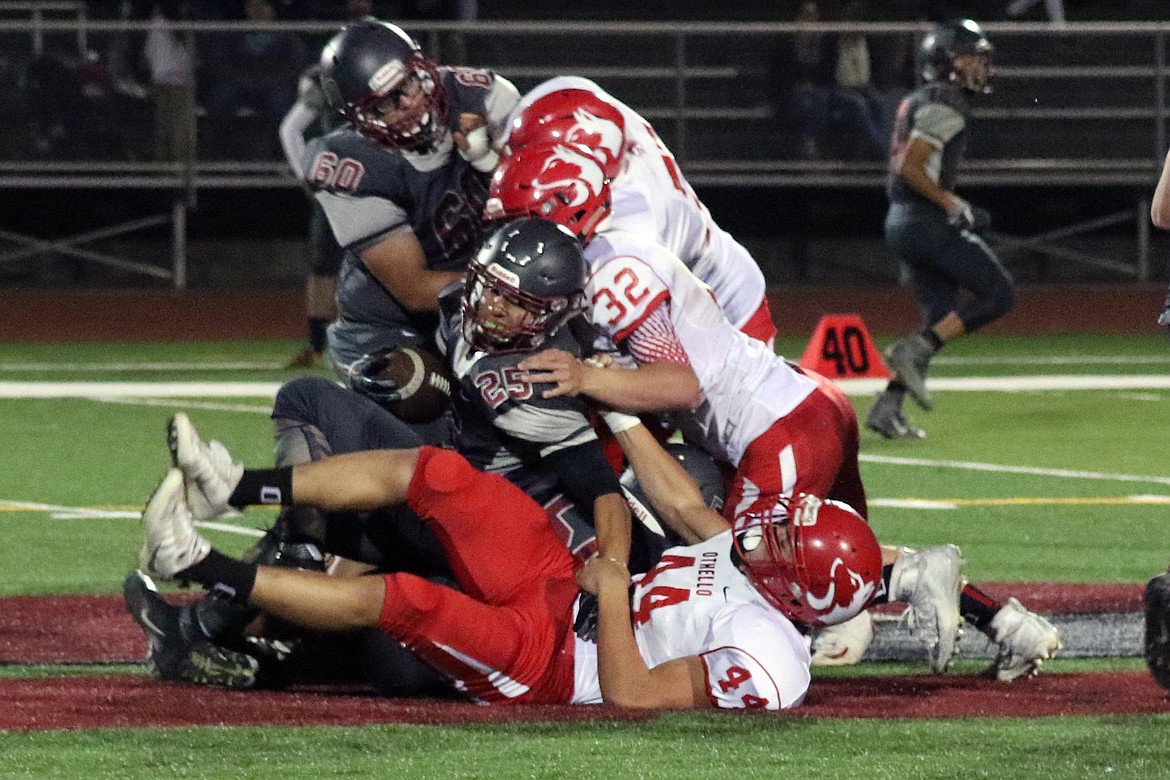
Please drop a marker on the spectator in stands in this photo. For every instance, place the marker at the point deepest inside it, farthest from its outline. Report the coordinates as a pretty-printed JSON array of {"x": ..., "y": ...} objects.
[
  {"x": 252, "y": 74},
  {"x": 1160, "y": 215},
  {"x": 833, "y": 101},
  {"x": 1055, "y": 9},
  {"x": 172, "y": 83}
]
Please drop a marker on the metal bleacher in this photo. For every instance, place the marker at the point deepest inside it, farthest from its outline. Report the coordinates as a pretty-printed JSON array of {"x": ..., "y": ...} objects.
[{"x": 1082, "y": 106}]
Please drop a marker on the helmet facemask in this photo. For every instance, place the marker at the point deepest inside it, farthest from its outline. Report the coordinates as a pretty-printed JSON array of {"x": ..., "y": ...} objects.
[
  {"x": 543, "y": 315},
  {"x": 972, "y": 70},
  {"x": 409, "y": 113}
]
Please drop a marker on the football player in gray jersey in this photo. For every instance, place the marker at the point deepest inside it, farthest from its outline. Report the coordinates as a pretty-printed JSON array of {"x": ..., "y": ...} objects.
[
  {"x": 523, "y": 292},
  {"x": 933, "y": 230},
  {"x": 402, "y": 183}
]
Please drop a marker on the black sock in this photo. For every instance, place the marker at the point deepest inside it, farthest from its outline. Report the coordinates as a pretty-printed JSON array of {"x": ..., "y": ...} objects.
[
  {"x": 977, "y": 608},
  {"x": 263, "y": 486},
  {"x": 932, "y": 339},
  {"x": 317, "y": 326},
  {"x": 223, "y": 575},
  {"x": 883, "y": 592}
]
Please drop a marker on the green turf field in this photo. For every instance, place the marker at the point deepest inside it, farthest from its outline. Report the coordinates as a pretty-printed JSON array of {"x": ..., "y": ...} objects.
[{"x": 1035, "y": 485}]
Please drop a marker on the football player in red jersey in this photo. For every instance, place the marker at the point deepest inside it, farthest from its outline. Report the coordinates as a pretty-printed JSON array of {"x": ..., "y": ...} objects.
[{"x": 710, "y": 626}]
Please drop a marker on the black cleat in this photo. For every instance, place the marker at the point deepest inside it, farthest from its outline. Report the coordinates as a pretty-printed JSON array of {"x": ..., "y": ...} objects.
[{"x": 173, "y": 655}]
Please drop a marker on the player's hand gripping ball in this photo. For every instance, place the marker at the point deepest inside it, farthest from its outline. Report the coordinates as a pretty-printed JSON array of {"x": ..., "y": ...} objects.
[{"x": 411, "y": 384}]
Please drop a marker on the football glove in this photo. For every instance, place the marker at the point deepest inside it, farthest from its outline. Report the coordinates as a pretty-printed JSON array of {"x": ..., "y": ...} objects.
[{"x": 965, "y": 216}]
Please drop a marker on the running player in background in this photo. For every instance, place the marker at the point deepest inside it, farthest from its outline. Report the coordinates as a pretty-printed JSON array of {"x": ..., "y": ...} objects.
[{"x": 933, "y": 230}]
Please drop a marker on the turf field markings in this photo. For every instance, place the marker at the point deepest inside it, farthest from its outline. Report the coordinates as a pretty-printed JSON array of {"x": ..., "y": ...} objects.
[
  {"x": 958, "y": 503},
  {"x": 210, "y": 405},
  {"x": 1051, "y": 360},
  {"x": 237, "y": 365},
  {"x": 58, "y": 512},
  {"x": 1021, "y": 384},
  {"x": 138, "y": 389},
  {"x": 968, "y": 465}
]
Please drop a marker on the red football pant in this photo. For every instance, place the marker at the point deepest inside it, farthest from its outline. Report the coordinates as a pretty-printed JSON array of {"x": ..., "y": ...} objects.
[
  {"x": 507, "y": 637},
  {"x": 812, "y": 449}
]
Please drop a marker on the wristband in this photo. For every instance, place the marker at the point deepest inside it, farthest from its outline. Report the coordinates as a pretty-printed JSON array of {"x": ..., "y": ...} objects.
[{"x": 619, "y": 421}]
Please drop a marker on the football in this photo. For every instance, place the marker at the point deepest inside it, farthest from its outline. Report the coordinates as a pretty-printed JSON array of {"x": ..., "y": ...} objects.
[{"x": 424, "y": 385}]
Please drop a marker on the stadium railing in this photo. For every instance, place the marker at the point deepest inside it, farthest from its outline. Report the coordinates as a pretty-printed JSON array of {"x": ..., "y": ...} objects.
[{"x": 1083, "y": 105}]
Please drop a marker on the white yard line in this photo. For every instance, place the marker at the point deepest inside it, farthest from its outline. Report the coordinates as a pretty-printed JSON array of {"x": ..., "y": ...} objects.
[
  {"x": 237, "y": 365},
  {"x": 58, "y": 512},
  {"x": 1013, "y": 384},
  {"x": 968, "y": 465}
]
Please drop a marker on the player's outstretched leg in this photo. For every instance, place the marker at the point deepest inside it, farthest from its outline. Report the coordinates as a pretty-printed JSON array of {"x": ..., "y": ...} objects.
[
  {"x": 1025, "y": 640},
  {"x": 930, "y": 581},
  {"x": 209, "y": 472},
  {"x": 909, "y": 358}
]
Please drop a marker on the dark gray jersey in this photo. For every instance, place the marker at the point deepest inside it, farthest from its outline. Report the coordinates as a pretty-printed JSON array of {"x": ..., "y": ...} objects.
[
  {"x": 936, "y": 112},
  {"x": 503, "y": 422},
  {"x": 369, "y": 192}
]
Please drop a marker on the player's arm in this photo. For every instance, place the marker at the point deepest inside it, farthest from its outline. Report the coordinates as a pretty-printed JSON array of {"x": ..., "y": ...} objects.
[
  {"x": 399, "y": 263},
  {"x": 663, "y": 379},
  {"x": 586, "y": 476},
  {"x": 676, "y": 498},
  {"x": 625, "y": 678},
  {"x": 913, "y": 171},
  {"x": 1160, "y": 206},
  {"x": 292, "y": 135}
]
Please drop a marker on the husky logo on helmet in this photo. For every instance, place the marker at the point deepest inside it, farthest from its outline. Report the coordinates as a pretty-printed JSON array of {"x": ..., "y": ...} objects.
[
  {"x": 853, "y": 583},
  {"x": 561, "y": 183},
  {"x": 575, "y": 116},
  {"x": 578, "y": 177}
]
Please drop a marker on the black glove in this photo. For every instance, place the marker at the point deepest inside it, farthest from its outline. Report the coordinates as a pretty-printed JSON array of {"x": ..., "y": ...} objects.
[{"x": 1157, "y": 645}]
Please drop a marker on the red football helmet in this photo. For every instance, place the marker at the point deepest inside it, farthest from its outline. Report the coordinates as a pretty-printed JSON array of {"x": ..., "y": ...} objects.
[
  {"x": 561, "y": 183},
  {"x": 573, "y": 116},
  {"x": 816, "y": 561}
]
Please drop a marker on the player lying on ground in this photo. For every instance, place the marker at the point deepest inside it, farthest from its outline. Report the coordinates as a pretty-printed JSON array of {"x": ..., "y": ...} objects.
[{"x": 711, "y": 625}]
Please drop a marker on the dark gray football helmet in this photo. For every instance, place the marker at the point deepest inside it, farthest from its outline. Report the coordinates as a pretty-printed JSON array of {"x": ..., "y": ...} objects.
[
  {"x": 949, "y": 40},
  {"x": 534, "y": 264},
  {"x": 377, "y": 75}
]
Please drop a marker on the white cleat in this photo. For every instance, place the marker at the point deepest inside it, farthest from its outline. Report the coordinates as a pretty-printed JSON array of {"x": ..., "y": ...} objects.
[
  {"x": 845, "y": 643},
  {"x": 930, "y": 581},
  {"x": 209, "y": 472},
  {"x": 1025, "y": 640},
  {"x": 172, "y": 544}
]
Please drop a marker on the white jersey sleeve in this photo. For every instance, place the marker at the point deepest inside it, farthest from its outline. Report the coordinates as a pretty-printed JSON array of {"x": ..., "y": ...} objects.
[{"x": 740, "y": 675}]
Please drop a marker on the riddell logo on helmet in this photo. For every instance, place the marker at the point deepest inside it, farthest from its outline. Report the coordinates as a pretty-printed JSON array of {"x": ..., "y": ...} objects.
[
  {"x": 504, "y": 275},
  {"x": 387, "y": 77},
  {"x": 584, "y": 182}
]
